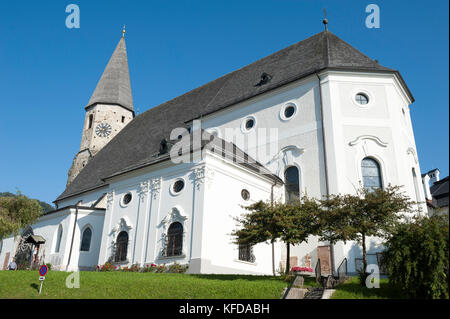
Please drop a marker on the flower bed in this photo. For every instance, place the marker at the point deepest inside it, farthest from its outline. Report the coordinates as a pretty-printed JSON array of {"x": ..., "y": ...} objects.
[
  {"x": 306, "y": 270},
  {"x": 173, "y": 268}
]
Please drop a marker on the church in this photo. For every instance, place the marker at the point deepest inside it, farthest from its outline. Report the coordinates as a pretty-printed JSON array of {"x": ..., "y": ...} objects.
[{"x": 318, "y": 117}]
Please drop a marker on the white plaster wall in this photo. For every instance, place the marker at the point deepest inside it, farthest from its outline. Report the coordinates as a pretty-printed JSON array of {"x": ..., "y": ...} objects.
[
  {"x": 222, "y": 205},
  {"x": 378, "y": 130}
]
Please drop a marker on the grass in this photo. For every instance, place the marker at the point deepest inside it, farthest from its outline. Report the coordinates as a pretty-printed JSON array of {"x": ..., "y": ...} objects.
[
  {"x": 100, "y": 285},
  {"x": 352, "y": 289}
]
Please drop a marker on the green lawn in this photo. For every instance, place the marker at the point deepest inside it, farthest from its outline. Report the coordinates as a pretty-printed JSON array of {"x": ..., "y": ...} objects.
[
  {"x": 25, "y": 284},
  {"x": 352, "y": 289}
]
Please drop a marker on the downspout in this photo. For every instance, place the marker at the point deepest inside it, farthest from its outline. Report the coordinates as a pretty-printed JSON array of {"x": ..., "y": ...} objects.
[
  {"x": 73, "y": 233},
  {"x": 327, "y": 190},
  {"x": 273, "y": 246}
]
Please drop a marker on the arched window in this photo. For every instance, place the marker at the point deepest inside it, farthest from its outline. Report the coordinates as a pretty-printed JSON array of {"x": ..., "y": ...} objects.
[
  {"x": 174, "y": 240},
  {"x": 121, "y": 247},
  {"x": 292, "y": 183},
  {"x": 416, "y": 184},
  {"x": 58, "y": 239},
  {"x": 86, "y": 239},
  {"x": 371, "y": 174}
]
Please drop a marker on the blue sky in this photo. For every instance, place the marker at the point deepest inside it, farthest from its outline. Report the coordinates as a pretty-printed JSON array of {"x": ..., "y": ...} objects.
[{"x": 48, "y": 72}]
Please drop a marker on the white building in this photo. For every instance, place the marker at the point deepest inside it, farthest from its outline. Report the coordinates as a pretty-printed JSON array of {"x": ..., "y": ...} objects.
[{"x": 319, "y": 113}]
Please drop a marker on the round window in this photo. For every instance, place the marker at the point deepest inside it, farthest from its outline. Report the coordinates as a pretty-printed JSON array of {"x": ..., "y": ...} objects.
[
  {"x": 127, "y": 199},
  {"x": 245, "y": 194},
  {"x": 289, "y": 111},
  {"x": 249, "y": 124},
  {"x": 178, "y": 186},
  {"x": 362, "y": 99}
]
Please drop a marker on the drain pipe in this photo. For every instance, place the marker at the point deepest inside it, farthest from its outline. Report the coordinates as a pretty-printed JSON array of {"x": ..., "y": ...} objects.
[
  {"x": 73, "y": 233},
  {"x": 273, "y": 246}
]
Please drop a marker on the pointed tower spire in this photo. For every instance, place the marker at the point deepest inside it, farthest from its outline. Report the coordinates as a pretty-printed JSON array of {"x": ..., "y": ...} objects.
[{"x": 114, "y": 86}]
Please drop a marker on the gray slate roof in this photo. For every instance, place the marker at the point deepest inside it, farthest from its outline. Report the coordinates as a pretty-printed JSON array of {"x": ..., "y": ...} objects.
[
  {"x": 114, "y": 86},
  {"x": 440, "y": 192},
  {"x": 139, "y": 140}
]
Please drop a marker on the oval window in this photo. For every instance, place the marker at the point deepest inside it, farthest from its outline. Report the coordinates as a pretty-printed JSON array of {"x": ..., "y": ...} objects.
[
  {"x": 362, "y": 99},
  {"x": 178, "y": 186},
  {"x": 245, "y": 194},
  {"x": 127, "y": 199},
  {"x": 249, "y": 124},
  {"x": 289, "y": 111}
]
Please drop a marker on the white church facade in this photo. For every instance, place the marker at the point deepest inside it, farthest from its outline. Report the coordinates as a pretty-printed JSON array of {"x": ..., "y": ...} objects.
[{"x": 318, "y": 118}]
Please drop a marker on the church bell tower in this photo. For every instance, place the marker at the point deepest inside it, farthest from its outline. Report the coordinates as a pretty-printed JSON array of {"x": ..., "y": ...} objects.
[{"x": 109, "y": 110}]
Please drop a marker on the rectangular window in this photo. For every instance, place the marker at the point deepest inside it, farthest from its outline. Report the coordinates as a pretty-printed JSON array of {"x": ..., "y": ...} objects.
[
  {"x": 246, "y": 253},
  {"x": 123, "y": 119}
]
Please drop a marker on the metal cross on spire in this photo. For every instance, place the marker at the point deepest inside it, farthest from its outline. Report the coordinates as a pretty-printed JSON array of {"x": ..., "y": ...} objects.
[
  {"x": 325, "y": 20},
  {"x": 123, "y": 31}
]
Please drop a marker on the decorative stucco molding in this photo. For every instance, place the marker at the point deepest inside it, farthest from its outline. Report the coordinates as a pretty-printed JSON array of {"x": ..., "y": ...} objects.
[
  {"x": 155, "y": 186},
  {"x": 411, "y": 151},
  {"x": 200, "y": 175},
  {"x": 361, "y": 138},
  {"x": 143, "y": 189},
  {"x": 109, "y": 199},
  {"x": 175, "y": 215},
  {"x": 285, "y": 157}
]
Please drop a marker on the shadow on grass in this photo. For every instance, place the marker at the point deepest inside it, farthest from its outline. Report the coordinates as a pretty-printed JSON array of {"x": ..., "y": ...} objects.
[
  {"x": 235, "y": 277},
  {"x": 353, "y": 288},
  {"x": 35, "y": 286}
]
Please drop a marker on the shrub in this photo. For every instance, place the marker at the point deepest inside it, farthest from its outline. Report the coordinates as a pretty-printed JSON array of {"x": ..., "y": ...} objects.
[
  {"x": 49, "y": 266},
  {"x": 417, "y": 257},
  {"x": 106, "y": 267},
  {"x": 177, "y": 268}
]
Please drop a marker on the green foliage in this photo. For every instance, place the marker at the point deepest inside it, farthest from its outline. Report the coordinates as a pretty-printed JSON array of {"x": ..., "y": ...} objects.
[
  {"x": 46, "y": 207},
  {"x": 16, "y": 212},
  {"x": 292, "y": 223},
  {"x": 417, "y": 257},
  {"x": 366, "y": 213},
  {"x": 49, "y": 266},
  {"x": 177, "y": 268}
]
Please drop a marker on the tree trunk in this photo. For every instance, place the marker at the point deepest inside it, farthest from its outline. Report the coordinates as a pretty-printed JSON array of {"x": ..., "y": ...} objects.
[
  {"x": 364, "y": 253},
  {"x": 273, "y": 259},
  {"x": 288, "y": 257}
]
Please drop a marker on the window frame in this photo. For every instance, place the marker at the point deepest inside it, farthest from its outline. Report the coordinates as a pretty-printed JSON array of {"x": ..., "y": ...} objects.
[
  {"x": 59, "y": 234},
  {"x": 175, "y": 240},
  {"x": 85, "y": 228},
  {"x": 284, "y": 108},
  {"x": 298, "y": 181},
  {"x": 116, "y": 248},
  {"x": 380, "y": 171}
]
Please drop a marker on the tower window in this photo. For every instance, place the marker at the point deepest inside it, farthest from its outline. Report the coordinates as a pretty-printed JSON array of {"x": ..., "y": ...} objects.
[
  {"x": 91, "y": 118},
  {"x": 123, "y": 119}
]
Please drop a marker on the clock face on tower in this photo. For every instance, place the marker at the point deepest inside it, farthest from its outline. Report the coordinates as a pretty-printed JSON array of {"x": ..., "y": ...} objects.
[{"x": 103, "y": 129}]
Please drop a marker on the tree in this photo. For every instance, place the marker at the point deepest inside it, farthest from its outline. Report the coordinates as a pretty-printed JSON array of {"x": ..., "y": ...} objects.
[
  {"x": 417, "y": 257},
  {"x": 292, "y": 223},
  {"x": 17, "y": 212},
  {"x": 45, "y": 206},
  {"x": 366, "y": 213}
]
